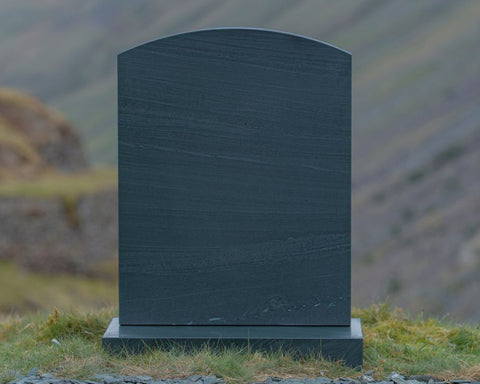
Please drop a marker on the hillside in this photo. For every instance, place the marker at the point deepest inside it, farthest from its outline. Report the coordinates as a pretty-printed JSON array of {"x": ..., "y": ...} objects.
[
  {"x": 35, "y": 139},
  {"x": 58, "y": 214},
  {"x": 416, "y": 92}
]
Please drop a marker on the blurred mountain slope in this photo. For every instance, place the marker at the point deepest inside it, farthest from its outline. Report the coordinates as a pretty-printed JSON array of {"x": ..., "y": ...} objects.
[
  {"x": 407, "y": 55},
  {"x": 416, "y": 115},
  {"x": 57, "y": 213}
]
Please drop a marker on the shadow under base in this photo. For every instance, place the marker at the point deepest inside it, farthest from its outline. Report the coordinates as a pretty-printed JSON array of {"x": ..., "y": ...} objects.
[{"x": 333, "y": 342}]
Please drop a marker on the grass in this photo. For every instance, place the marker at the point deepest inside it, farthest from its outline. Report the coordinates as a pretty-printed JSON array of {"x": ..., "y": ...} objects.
[
  {"x": 25, "y": 291},
  {"x": 62, "y": 185},
  {"x": 393, "y": 341}
]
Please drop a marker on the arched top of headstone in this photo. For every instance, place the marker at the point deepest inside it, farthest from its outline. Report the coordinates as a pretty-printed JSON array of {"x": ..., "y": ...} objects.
[{"x": 245, "y": 33}]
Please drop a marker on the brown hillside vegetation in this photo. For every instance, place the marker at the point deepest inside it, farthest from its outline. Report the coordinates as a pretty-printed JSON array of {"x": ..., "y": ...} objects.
[{"x": 35, "y": 139}]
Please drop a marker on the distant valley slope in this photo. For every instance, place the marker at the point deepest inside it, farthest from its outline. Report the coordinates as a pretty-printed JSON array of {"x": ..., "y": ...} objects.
[
  {"x": 416, "y": 116},
  {"x": 58, "y": 214}
]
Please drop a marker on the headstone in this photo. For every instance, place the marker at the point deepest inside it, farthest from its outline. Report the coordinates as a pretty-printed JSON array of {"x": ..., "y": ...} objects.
[{"x": 234, "y": 193}]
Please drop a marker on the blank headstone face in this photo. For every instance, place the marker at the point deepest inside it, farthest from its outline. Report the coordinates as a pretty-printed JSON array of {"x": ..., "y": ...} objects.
[{"x": 234, "y": 180}]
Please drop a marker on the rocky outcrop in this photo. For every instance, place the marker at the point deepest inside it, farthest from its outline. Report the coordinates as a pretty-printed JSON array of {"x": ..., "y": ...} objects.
[
  {"x": 59, "y": 234},
  {"x": 34, "y": 138}
]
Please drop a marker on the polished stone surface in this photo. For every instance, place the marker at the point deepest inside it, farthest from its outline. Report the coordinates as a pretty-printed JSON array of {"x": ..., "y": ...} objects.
[{"x": 234, "y": 180}]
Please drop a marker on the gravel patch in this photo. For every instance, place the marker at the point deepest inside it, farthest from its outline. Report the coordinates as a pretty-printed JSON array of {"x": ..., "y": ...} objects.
[{"x": 33, "y": 377}]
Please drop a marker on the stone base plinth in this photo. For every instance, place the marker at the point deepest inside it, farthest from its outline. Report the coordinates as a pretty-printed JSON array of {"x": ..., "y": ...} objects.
[{"x": 331, "y": 342}]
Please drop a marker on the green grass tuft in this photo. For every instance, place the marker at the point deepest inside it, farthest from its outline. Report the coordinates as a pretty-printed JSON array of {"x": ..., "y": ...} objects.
[
  {"x": 86, "y": 326},
  {"x": 394, "y": 341}
]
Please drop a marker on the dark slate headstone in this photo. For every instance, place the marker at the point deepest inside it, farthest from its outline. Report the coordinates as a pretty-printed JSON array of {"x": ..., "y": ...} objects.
[{"x": 234, "y": 185}]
